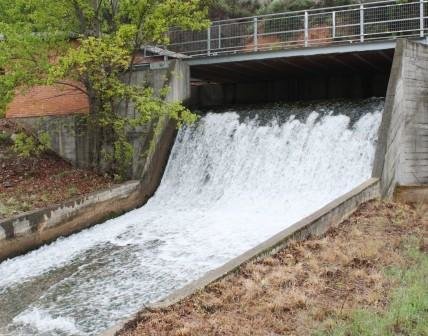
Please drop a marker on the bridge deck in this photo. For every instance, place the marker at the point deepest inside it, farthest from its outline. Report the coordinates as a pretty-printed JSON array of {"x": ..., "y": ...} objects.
[
  {"x": 295, "y": 52},
  {"x": 342, "y": 29}
]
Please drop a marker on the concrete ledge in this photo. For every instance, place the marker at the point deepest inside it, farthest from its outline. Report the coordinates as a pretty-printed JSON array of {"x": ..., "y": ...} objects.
[
  {"x": 409, "y": 194},
  {"x": 314, "y": 225},
  {"x": 285, "y": 53},
  {"x": 33, "y": 229}
]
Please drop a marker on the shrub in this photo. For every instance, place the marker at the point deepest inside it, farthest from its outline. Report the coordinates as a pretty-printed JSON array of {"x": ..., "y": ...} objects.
[
  {"x": 4, "y": 138},
  {"x": 27, "y": 145}
]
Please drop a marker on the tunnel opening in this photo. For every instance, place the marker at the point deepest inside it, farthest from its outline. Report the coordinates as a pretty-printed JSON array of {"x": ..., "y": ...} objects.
[{"x": 351, "y": 75}]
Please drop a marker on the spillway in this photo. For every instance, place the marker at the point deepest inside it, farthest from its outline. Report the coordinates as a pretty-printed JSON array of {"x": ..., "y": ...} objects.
[{"x": 233, "y": 180}]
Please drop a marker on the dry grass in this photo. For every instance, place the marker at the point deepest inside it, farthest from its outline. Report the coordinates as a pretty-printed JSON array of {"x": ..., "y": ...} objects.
[{"x": 302, "y": 288}]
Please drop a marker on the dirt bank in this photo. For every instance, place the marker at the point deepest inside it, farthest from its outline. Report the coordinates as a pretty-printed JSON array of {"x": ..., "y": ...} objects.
[
  {"x": 307, "y": 287},
  {"x": 36, "y": 182}
]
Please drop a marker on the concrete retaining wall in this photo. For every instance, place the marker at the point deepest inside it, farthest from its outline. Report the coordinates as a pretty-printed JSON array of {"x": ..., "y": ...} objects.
[
  {"x": 402, "y": 152},
  {"x": 33, "y": 229},
  {"x": 316, "y": 224},
  {"x": 411, "y": 194},
  {"x": 72, "y": 141},
  {"x": 152, "y": 144}
]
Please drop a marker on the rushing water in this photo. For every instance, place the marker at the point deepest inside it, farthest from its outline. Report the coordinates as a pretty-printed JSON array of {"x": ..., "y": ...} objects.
[{"x": 232, "y": 181}]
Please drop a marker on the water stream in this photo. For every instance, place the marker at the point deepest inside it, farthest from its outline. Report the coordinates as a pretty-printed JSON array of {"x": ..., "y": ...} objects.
[{"x": 233, "y": 180}]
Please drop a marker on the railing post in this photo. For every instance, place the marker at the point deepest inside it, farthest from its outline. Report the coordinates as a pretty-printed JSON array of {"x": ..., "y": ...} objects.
[
  {"x": 422, "y": 17},
  {"x": 333, "y": 24},
  {"x": 209, "y": 41},
  {"x": 306, "y": 29},
  {"x": 256, "y": 38},
  {"x": 219, "y": 36},
  {"x": 361, "y": 23}
]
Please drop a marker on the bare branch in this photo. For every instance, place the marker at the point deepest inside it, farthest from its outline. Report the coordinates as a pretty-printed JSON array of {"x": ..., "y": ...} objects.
[
  {"x": 65, "y": 94},
  {"x": 77, "y": 87}
]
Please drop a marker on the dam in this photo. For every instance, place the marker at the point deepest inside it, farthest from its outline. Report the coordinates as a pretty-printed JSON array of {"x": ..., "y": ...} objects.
[
  {"x": 233, "y": 180},
  {"x": 283, "y": 131}
]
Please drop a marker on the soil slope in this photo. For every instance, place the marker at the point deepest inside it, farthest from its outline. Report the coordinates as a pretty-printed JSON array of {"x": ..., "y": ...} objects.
[{"x": 36, "y": 182}]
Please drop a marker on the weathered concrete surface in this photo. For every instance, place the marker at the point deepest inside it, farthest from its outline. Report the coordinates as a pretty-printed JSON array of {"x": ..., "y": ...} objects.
[
  {"x": 33, "y": 229},
  {"x": 315, "y": 224},
  {"x": 152, "y": 145},
  {"x": 73, "y": 142},
  {"x": 154, "y": 141},
  {"x": 64, "y": 135},
  {"x": 411, "y": 194},
  {"x": 402, "y": 151}
]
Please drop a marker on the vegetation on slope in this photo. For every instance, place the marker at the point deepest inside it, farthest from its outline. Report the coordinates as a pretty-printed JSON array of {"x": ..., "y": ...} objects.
[
  {"x": 366, "y": 277},
  {"x": 407, "y": 312}
]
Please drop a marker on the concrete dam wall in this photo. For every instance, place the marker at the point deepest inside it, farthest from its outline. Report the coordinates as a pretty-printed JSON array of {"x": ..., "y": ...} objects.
[{"x": 402, "y": 152}]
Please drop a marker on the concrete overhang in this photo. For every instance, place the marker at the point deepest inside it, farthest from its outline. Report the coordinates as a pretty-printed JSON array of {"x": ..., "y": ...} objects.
[
  {"x": 297, "y": 52},
  {"x": 365, "y": 59}
]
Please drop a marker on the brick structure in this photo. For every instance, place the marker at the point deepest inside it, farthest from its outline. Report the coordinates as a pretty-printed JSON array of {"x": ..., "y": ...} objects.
[
  {"x": 58, "y": 100},
  {"x": 48, "y": 101}
]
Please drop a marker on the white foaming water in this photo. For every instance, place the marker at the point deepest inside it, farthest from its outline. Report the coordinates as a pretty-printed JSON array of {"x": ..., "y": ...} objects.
[
  {"x": 43, "y": 322},
  {"x": 229, "y": 185}
]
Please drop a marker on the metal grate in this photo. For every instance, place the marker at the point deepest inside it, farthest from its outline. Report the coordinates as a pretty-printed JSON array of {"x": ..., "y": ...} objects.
[{"x": 383, "y": 20}]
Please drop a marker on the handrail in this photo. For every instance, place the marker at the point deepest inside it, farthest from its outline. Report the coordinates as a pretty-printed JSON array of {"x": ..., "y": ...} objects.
[
  {"x": 355, "y": 23},
  {"x": 393, "y": 2}
]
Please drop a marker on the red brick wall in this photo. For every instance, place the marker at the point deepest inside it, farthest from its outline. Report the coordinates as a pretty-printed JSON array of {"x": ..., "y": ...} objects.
[
  {"x": 56, "y": 100},
  {"x": 48, "y": 101}
]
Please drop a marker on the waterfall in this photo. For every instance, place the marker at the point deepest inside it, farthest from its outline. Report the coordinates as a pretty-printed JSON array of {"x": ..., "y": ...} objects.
[{"x": 233, "y": 180}]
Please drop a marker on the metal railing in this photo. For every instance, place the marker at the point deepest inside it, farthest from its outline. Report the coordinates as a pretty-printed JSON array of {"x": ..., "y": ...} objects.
[{"x": 385, "y": 20}]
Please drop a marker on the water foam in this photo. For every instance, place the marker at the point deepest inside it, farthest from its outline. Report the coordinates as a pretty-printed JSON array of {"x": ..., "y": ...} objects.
[
  {"x": 231, "y": 182},
  {"x": 45, "y": 323}
]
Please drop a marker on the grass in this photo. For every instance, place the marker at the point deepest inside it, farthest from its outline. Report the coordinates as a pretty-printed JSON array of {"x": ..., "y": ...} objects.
[
  {"x": 407, "y": 312},
  {"x": 11, "y": 207}
]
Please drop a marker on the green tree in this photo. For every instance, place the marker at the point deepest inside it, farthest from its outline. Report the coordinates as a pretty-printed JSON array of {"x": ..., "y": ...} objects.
[
  {"x": 94, "y": 42},
  {"x": 277, "y": 6},
  {"x": 224, "y": 9},
  {"x": 228, "y": 9}
]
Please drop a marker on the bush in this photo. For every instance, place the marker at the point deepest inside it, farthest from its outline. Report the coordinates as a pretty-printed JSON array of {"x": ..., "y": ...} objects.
[
  {"x": 4, "y": 138},
  {"x": 27, "y": 145}
]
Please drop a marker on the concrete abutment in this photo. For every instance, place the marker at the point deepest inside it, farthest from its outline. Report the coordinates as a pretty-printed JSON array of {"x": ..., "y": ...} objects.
[{"x": 402, "y": 151}]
